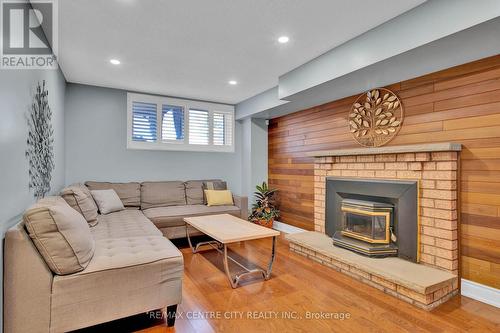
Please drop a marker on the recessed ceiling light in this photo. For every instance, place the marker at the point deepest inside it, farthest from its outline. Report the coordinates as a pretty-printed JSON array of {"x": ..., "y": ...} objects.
[
  {"x": 233, "y": 82},
  {"x": 115, "y": 61},
  {"x": 283, "y": 39}
]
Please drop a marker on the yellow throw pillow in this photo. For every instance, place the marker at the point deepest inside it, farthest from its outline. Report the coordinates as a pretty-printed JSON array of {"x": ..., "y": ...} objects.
[{"x": 219, "y": 197}]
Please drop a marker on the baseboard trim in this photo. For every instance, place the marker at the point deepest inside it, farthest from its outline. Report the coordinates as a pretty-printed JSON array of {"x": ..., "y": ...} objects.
[
  {"x": 481, "y": 292},
  {"x": 286, "y": 228}
]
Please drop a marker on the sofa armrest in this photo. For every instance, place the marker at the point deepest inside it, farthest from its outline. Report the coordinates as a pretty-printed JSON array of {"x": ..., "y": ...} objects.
[
  {"x": 242, "y": 204},
  {"x": 27, "y": 284}
]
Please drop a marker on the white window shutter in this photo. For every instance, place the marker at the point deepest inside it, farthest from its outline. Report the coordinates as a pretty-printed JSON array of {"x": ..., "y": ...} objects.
[
  {"x": 222, "y": 129},
  {"x": 199, "y": 127},
  {"x": 165, "y": 123},
  {"x": 172, "y": 128},
  {"x": 144, "y": 122}
]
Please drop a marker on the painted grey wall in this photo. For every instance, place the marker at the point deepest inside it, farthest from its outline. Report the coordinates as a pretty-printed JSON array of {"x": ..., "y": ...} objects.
[
  {"x": 259, "y": 155},
  {"x": 266, "y": 100},
  {"x": 246, "y": 157},
  {"x": 255, "y": 155},
  {"x": 17, "y": 88},
  {"x": 96, "y": 136}
]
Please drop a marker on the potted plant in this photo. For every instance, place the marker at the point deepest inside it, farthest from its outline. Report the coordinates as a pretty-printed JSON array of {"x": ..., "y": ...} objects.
[{"x": 263, "y": 210}]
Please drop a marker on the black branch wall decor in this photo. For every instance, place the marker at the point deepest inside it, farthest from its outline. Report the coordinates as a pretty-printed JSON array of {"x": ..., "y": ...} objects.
[{"x": 40, "y": 143}]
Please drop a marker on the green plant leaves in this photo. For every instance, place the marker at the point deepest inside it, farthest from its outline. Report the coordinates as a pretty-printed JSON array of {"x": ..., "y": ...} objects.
[{"x": 264, "y": 207}]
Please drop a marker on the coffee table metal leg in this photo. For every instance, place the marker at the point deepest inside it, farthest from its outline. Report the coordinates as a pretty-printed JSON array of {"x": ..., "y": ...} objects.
[
  {"x": 222, "y": 248},
  {"x": 189, "y": 239},
  {"x": 232, "y": 281},
  {"x": 236, "y": 279},
  {"x": 195, "y": 249},
  {"x": 273, "y": 255}
]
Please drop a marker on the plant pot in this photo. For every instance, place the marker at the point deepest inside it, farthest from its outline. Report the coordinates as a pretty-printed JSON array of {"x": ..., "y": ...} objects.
[{"x": 264, "y": 222}]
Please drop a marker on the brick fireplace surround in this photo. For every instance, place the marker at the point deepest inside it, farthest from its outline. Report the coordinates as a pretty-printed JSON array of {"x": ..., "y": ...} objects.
[{"x": 436, "y": 166}]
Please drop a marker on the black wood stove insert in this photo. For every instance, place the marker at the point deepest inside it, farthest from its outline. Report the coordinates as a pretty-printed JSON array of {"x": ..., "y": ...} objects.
[{"x": 377, "y": 218}]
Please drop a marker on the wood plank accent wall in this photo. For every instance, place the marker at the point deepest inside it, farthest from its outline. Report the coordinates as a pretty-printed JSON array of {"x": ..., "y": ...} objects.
[{"x": 459, "y": 104}]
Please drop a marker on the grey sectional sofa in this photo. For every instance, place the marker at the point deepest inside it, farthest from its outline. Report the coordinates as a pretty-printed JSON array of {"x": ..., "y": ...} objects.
[
  {"x": 134, "y": 267},
  {"x": 166, "y": 203}
]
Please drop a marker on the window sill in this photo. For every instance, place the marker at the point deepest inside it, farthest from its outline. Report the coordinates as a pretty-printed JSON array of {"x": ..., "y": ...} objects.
[{"x": 134, "y": 145}]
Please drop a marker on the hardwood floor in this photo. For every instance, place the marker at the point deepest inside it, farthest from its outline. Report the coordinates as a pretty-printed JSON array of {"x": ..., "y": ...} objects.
[{"x": 298, "y": 286}]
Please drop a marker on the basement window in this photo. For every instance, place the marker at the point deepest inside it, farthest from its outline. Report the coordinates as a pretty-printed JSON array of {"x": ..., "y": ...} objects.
[{"x": 164, "y": 123}]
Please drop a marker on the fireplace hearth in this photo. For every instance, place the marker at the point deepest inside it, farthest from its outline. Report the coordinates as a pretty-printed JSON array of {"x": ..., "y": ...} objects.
[{"x": 367, "y": 228}]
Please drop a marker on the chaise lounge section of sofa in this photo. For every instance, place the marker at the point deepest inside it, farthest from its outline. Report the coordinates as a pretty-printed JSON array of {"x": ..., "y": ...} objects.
[{"x": 134, "y": 269}]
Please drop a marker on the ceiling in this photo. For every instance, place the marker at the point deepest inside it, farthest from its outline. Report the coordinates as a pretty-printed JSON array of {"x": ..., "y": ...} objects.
[{"x": 191, "y": 49}]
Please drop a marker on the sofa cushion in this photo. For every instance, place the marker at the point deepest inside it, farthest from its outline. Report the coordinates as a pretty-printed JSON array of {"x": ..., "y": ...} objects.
[
  {"x": 61, "y": 235},
  {"x": 79, "y": 198},
  {"x": 218, "y": 185},
  {"x": 129, "y": 193},
  {"x": 164, "y": 217},
  {"x": 194, "y": 191},
  {"x": 126, "y": 276},
  {"x": 123, "y": 224},
  {"x": 219, "y": 198},
  {"x": 160, "y": 194},
  {"x": 115, "y": 253},
  {"x": 107, "y": 201}
]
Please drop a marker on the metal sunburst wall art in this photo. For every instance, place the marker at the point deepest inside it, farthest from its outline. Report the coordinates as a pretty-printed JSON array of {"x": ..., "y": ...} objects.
[
  {"x": 376, "y": 117},
  {"x": 40, "y": 143}
]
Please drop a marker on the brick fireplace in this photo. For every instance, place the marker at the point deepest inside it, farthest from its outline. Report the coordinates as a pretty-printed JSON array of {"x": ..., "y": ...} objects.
[{"x": 435, "y": 169}]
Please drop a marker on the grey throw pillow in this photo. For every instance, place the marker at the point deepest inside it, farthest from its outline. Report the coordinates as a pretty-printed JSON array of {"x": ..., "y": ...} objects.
[
  {"x": 107, "y": 201},
  {"x": 79, "y": 198}
]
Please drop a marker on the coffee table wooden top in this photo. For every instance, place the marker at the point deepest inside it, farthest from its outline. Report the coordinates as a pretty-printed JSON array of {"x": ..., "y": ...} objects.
[{"x": 227, "y": 228}]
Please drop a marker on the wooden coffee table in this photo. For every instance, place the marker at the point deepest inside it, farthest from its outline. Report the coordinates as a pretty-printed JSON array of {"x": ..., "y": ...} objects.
[{"x": 226, "y": 229}]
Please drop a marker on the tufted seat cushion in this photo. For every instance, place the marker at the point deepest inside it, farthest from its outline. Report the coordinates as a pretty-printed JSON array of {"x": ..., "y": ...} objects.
[
  {"x": 126, "y": 274},
  {"x": 122, "y": 224},
  {"x": 172, "y": 216},
  {"x": 130, "y": 251}
]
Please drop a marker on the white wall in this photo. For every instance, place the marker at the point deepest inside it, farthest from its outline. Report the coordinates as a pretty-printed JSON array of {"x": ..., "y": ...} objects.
[{"x": 96, "y": 121}]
